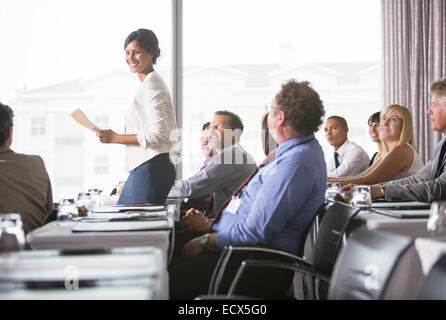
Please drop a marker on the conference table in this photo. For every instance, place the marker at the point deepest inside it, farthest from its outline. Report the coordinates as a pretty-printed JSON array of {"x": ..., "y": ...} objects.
[
  {"x": 405, "y": 218},
  {"x": 120, "y": 273},
  {"x": 103, "y": 230},
  {"x": 410, "y": 221},
  {"x": 107, "y": 235}
]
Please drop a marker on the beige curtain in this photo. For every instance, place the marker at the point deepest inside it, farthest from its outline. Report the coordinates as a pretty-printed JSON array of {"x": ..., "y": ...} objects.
[{"x": 414, "y": 48}]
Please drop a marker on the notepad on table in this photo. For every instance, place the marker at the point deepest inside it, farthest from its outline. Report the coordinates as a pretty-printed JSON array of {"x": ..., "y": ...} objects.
[{"x": 121, "y": 226}]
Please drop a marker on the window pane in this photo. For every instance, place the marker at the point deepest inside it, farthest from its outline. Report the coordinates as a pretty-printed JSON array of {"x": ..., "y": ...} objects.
[
  {"x": 238, "y": 54},
  {"x": 64, "y": 55}
]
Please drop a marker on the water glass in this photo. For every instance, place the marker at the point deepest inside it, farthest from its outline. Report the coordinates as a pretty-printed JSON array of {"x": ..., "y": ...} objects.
[
  {"x": 84, "y": 203},
  {"x": 12, "y": 236},
  {"x": 67, "y": 212},
  {"x": 333, "y": 188},
  {"x": 436, "y": 224},
  {"x": 96, "y": 197},
  {"x": 362, "y": 196}
]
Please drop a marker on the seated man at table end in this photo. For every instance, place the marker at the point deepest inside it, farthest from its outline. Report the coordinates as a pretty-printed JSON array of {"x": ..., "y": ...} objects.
[
  {"x": 229, "y": 166},
  {"x": 25, "y": 187},
  {"x": 272, "y": 209},
  {"x": 429, "y": 183}
]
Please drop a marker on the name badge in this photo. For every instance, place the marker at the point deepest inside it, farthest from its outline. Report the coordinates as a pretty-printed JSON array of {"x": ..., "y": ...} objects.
[{"x": 233, "y": 205}]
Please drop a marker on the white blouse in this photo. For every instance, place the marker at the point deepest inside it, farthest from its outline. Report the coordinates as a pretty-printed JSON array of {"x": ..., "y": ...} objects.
[{"x": 152, "y": 118}]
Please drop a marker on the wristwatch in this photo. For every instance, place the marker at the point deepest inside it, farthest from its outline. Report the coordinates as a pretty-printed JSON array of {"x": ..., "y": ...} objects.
[{"x": 204, "y": 241}]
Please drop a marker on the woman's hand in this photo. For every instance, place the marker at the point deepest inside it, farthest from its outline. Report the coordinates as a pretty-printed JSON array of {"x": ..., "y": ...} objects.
[
  {"x": 106, "y": 136},
  {"x": 348, "y": 187}
]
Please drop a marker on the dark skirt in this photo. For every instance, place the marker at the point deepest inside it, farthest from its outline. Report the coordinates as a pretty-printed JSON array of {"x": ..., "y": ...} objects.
[{"x": 150, "y": 182}]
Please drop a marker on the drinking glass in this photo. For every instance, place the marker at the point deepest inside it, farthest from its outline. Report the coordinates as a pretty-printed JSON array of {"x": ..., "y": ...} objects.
[
  {"x": 362, "y": 196},
  {"x": 96, "y": 197},
  {"x": 333, "y": 188},
  {"x": 67, "y": 212},
  {"x": 436, "y": 224},
  {"x": 84, "y": 203},
  {"x": 12, "y": 236}
]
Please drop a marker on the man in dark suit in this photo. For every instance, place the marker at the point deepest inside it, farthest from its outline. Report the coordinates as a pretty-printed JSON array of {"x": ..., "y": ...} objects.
[
  {"x": 25, "y": 187},
  {"x": 428, "y": 184}
]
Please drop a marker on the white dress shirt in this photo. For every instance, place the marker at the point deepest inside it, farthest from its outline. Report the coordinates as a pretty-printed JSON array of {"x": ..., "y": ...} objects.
[
  {"x": 353, "y": 160},
  {"x": 152, "y": 118}
]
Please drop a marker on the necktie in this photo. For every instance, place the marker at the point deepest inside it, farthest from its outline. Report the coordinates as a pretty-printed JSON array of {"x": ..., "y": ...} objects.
[
  {"x": 217, "y": 216},
  {"x": 336, "y": 155},
  {"x": 440, "y": 159}
]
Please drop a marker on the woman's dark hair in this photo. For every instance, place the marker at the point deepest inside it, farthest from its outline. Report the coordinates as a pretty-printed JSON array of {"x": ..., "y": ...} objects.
[
  {"x": 374, "y": 118},
  {"x": 6, "y": 115},
  {"x": 147, "y": 39}
]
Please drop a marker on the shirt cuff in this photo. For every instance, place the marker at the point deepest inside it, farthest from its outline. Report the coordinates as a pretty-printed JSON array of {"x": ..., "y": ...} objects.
[
  {"x": 222, "y": 239},
  {"x": 141, "y": 140},
  {"x": 181, "y": 189},
  {"x": 391, "y": 193}
]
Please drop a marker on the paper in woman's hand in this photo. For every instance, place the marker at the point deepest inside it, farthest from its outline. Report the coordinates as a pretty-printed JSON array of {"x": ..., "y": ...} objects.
[{"x": 82, "y": 119}]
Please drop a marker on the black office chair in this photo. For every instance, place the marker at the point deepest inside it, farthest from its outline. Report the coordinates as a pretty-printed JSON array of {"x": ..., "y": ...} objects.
[
  {"x": 364, "y": 270},
  {"x": 317, "y": 262},
  {"x": 434, "y": 286}
]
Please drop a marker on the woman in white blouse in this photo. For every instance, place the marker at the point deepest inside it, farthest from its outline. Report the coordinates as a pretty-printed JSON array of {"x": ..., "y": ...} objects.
[
  {"x": 400, "y": 158},
  {"x": 150, "y": 126}
]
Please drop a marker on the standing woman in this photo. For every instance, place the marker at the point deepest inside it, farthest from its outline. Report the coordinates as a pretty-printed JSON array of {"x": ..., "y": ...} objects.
[{"x": 150, "y": 126}]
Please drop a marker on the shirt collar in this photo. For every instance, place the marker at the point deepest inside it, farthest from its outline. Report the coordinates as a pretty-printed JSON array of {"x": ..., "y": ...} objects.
[
  {"x": 342, "y": 148},
  {"x": 291, "y": 143},
  {"x": 5, "y": 148}
]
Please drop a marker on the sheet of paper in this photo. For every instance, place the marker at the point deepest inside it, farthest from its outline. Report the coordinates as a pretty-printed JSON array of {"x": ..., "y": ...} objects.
[
  {"x": 401, "y": 204},
  {"x": 110, "y": 209},
  {"x": 404, "y": 213},
  {"x": 118, "y": 215},
  {"x": 82, "y": 119},
  {"x": 121, "y": 226}
]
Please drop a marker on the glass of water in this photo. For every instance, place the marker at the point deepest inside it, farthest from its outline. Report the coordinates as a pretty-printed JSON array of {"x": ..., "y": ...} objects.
[
  {"x": 362, "y": 196},
  {"x": 12, "y": 236},
  {"x": 67, "y": 212},
  {"x": 84, "y": 203},
  {"x": 95, "y": 195},
  {"x": 436, "y": 224},
  {"x": 333, "y": 188}
]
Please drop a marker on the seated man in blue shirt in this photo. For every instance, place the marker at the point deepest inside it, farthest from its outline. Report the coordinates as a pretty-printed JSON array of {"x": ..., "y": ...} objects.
[{"x": 277, "y": 205}]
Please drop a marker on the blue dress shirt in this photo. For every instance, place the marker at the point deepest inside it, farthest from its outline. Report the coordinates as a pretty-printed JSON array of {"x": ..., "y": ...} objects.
[{"x": 280, "y": 201}]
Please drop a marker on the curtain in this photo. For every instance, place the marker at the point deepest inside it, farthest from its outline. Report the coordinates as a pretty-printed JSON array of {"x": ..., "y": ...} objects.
[{"x": 414, "y": 55}]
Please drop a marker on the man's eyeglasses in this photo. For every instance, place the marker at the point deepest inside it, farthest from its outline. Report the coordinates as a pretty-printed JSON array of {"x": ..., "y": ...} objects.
[
  {"x": 269, "y": 107},
  {"x": 217, "y": 127}
]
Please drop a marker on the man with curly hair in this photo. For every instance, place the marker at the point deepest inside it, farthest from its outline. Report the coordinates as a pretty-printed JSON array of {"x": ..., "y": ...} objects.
[{"x": 273, "y": 208}]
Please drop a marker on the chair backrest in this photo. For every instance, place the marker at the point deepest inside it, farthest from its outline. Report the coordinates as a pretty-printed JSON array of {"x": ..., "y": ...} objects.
[
  {"x": 329, "y": 238},
  {"x": 306, "y": 247},
  {"x": 434, "y": 286},
  {"x": 365, "y": 266}
]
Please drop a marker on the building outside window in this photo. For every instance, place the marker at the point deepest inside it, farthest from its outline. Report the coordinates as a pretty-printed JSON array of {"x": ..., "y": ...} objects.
[
  {"x": 100, "y": 165},
  {"x": 38, "y": 126}
]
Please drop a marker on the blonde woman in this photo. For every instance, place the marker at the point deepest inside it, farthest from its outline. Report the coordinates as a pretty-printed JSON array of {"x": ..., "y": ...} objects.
[{"x": 400, "y": 158}]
